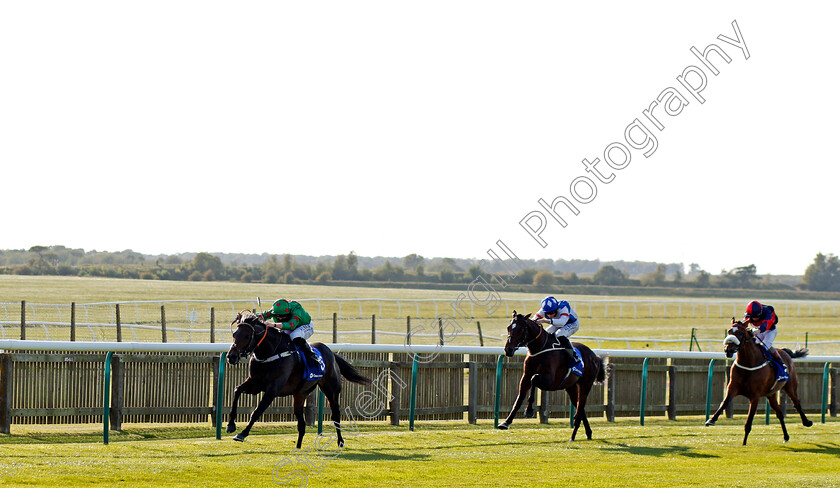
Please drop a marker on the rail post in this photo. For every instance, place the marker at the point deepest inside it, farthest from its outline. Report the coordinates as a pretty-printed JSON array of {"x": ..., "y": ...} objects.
[
  {"x": 6, "y": 389},
  {"x": 212, "y": 324},
  {"x": 73, "y": 321},
  {"x": 472, "y": 403},
  {"x": 23, "y": 320},
  {"x": 373, "y": 329},
  {"x": 106, "y": 398},
  {"x": 162, "y": 323},
  {"x": 709, "y": 388},
  {"x": 119, "y": 325},
  {"x": 498, "y": 391},
  {"x": 480, "y": 336},
  {"x": 220, "y": 395},
  {"x": 824, "y": 401},
  {"x": 644, "y": 391},
  {"x": 335, "y": 328},
  {"x": 413, "y": 400}
]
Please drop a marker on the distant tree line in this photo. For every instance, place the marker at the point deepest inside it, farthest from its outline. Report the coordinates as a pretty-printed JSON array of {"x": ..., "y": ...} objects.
[{"x": 822, "y": 275}]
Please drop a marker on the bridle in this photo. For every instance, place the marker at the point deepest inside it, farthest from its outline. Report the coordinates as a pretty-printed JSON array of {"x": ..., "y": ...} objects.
[
  {"x": 739, "y": 342},
  {"x": 248, "y": 349},
  {"x": 522, "y": 341}
]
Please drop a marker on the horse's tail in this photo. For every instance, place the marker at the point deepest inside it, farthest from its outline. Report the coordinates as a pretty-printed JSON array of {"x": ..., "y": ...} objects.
[
  {"x": 800, "y": 353},
  {"x": 349, "y": 372},
  {"x": 602, "y": 370}
]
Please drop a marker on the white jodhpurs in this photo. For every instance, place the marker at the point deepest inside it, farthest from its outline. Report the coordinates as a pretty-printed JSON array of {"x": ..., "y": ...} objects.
[
  {"x": 767, "y": 337},
  {"x": 304, "y": 331},
  {"x": 566, "y": 330}
]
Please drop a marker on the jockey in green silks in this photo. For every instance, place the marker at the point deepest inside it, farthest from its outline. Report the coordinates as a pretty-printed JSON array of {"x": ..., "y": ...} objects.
[{"x": 290, "y": 317}]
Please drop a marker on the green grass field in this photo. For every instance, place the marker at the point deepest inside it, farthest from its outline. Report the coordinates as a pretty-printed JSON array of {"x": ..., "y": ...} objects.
[
  {"x": 455, "y": 454},
  {"x": 597, "y": 321},
  {"x": 661, "y": 453}
]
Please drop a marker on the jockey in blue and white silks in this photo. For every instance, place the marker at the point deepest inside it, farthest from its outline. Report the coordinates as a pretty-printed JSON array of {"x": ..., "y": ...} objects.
[{"x": 562, "y": 319}]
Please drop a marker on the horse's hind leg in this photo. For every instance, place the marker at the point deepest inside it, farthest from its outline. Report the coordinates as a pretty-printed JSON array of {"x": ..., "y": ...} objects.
[
  {"x": 581, "y": 410},
  {"x": 297, "y": 405},
  {"x": 774, "y": 404},
  {"x": 332, "y": 397},
  {"x": 529, "y": 410},
  {"x": 578, "y": 399},
  {"x": 790, "y": 390}
]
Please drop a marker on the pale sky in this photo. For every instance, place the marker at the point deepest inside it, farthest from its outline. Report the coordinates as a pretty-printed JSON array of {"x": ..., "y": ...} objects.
[{"x": 432, "y": 127}]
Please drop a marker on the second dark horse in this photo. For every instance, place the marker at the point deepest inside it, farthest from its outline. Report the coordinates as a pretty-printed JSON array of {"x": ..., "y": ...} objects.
[{"x": 547, "y": 368}]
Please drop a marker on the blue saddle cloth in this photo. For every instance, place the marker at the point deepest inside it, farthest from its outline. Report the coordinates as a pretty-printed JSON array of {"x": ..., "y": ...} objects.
[
  {"x": 781, "y": 372},
  {"x": 576, "y": 368},
  {"x": 312, "y": 371}
]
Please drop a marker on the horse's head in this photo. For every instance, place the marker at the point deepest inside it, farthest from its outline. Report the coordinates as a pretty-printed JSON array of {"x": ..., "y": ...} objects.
[
  {"x": 518, "y": 334},
  {"x": 736, "y": 337},
  {"x": 246, "y": 328}
]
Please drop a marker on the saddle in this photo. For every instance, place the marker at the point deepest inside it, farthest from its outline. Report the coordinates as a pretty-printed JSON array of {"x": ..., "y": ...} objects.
[
  {"x": 311, "y": 371},
  {"x": 575, "y": 362}
]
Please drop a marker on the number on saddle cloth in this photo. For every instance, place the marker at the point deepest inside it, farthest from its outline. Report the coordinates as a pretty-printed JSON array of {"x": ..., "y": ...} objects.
[
  {"x": 576, "y": 368},
  {"x": 312, "y": 371},
  {"x": 781, "y": 371}
]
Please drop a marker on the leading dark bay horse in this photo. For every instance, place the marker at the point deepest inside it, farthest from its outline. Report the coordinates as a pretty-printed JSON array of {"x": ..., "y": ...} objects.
[
  {"x": 754, "y": 377},
  {"x": 276, "y": 370},
  {"x": 547, "y": 368}
]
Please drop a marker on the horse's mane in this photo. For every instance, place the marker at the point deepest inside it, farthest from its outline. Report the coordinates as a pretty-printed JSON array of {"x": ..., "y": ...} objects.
[{"x": 247, "y": 316}]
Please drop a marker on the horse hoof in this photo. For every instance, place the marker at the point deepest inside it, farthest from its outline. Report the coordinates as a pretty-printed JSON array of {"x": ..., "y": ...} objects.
[
  {"x": 503, "y": 426},
  {"x": 231, "y": 429},
  {"x": 807, "y": 423},
  {"x": 239, "y": 437},
  {"x": 710, "y": 423},
  {"x": 529, "y": 414}
]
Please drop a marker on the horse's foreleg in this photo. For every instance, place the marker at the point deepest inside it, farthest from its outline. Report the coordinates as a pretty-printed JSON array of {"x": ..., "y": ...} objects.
[
  {"x": 774, "y": 404},
  {"x": 267, "y": 398},
  {"x": 750, "y": 416},
  {"x": 730, "y": 394},
  {"x": 231, "y": 426},
  {"x": 790, "y": 390},
  {"x": 529, "y": 410},
  {"x": 524, "y": 386},
  {"x": 297, "y": 405}
]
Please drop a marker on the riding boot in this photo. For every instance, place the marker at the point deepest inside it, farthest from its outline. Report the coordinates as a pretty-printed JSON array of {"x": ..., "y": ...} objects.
[
  {"x": 307, "y": 350},
  {"x": 774, "y": 353},
  {"x": 567, "y": 345}
]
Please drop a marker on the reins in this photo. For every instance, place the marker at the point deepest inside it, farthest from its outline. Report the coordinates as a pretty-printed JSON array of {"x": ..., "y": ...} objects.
[
  {"x": 254, "y": 330},
  {"x": 740, "y": 347}
]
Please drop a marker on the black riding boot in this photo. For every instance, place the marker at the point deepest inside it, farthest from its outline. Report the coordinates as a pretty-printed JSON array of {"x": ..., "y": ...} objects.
[
  {"x": 567, "y": 345},
  {"x": 778, "y": 359},
  {"x": 307, "y": 350}
]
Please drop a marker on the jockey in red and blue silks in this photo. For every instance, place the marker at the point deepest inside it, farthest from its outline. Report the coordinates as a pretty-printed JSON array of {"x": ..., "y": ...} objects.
[
  {"x": 562, "y": 319},
  {"x": 764, "y": 319}
]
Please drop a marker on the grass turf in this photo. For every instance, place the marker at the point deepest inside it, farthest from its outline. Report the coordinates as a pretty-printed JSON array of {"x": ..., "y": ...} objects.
[{"x": 623, "y": 453}]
